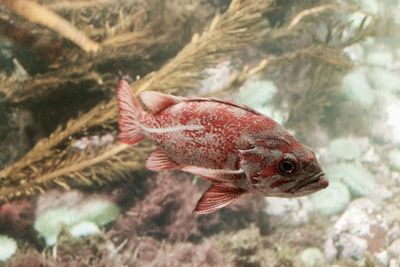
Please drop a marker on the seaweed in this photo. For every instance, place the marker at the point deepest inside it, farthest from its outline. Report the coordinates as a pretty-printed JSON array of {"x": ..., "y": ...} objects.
[
  {"x": 31, "y": 174},
  {"x": 51, "y": 162},
  {"x": 61, "y": 115}
]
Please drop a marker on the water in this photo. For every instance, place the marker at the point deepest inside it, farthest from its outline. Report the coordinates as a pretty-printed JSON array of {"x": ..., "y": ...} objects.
[{"x": 72, "y": 195}]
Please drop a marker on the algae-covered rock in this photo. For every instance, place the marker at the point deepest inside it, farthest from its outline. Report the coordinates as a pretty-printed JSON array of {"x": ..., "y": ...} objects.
[
  {"x": 99, "y": 211},
  {"x": 8, "y": 247},
  {"x": 257, "y": 93},
  {"x": 51, "y": 222},
  {"x": 360, "y": 230},
  {"x": 380, "y": 58},
  {"x": 246, "y": 241},
  {"x": 275, "y": 114},
  {"x": 331, "y": 200},
  {"x": 244, "y": 246},
  {"x": 290, "y": 211},
  {"x": 393, "y": 115},
  {"x": 85, "y": 228},
  {"x": 357, "y": 178},
  {"x": 387, "y": 80},
  {"x": 394, "y": 159},
  {"x": 344, "y": 149},
  {"x": 312, "y": 257},
  {"x": 356, "y": 88},
  {"x": 372, "y": 6}
]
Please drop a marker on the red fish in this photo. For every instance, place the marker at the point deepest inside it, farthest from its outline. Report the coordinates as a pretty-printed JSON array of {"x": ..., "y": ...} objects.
[{"x": 237, "y": 149}]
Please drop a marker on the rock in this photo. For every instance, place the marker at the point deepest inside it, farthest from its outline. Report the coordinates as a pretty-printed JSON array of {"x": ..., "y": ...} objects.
[
  {"x": 257, "y": 93},
  {"x": 372, "y": 6},
  {"x": 393, "y": 115},
  {"x": 217, "y": 78},
  {"x": 394, "y": 251},
  {"x": 394, "y": 159},
  {"x": 85, "y": 228},
  {"x": 273, "y": 113},
  {"x": 51, "y": 221},
  {"x": 291, "y": 211},
  {"x": 243, "y": 247},
  {"x": 357, "y": 179},
  {"x": 386, "y": 80},
  {"x": 356, "y": 88},
  {"x": 331, "y": 200},
  {"x": 371, "y": 156},
  {"x": 312, "y": 257},
  {"x": 345, "y": 149},
  {"x": 360, "y": 230},
  {"x": 355, "y": 52},
  {"x": 380, "y": 58},
  {"x": 8, "y": 247}
]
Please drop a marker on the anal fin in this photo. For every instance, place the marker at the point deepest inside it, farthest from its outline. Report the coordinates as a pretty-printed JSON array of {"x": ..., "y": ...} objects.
[
  {"x": 158, "y": 160},
  {"x": 217, "y": 197}
]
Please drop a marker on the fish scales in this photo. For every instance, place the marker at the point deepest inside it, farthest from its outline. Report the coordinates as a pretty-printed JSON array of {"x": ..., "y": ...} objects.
[
  {"x": 238, "y": 150},
  {"x": 213, "y": 145}
]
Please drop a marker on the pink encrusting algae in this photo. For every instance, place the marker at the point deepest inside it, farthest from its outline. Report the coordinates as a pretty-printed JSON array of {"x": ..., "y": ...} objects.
[{"x": 235, "y": 148}]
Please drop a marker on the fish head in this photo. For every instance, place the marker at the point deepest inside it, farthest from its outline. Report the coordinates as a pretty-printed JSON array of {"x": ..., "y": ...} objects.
[{"x": 289, "y": 169}]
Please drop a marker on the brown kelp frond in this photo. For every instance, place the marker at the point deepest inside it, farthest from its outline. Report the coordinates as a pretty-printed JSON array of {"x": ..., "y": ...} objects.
[
  {"x": 44, "y": 148},
  {"x": 41, "y": 86},
  {"x": 127, "y": 31},
  {"x": 277, "y": 64},
  {"x": 239, "y": 26},
  {"x": 317, "y": 94},
  {"x": 319, "y": 53},
  {"x": 66, "y": 169},
  {"x": 237, "y": 79},
  {"x": 311, "y": 12},
  {"x": 60, "y": 5},
  {"x": 333, "y": 24},
  {"x": 40, "y": 14},
  {"x": 354, "y": 29}
]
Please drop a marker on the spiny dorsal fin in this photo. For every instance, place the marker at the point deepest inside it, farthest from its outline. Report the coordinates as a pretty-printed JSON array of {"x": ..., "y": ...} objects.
[
  {"x": 217, "y": 197},
  {"x": 156, "y": 102},
  {"x": 158, "y": 160}
]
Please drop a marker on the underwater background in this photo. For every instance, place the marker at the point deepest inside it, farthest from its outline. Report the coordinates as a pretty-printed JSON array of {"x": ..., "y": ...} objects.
[{"x": 72, "y": 195}]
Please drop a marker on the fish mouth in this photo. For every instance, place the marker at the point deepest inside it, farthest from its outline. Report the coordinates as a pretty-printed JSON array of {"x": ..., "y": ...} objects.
[{"x": 316, "y": 182}]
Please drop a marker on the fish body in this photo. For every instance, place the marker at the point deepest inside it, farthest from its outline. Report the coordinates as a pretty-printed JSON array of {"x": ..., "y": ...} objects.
[{"x": 232, "y": 146}]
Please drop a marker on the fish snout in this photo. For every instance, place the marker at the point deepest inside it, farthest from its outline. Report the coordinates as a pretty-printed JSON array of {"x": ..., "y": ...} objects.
[{"x": 323, "y": 182}]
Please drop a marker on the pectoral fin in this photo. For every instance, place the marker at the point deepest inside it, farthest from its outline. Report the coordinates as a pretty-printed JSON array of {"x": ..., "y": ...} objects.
[
  {"x": 217, "y": 197},
  {"x": 158, "y": 160}
]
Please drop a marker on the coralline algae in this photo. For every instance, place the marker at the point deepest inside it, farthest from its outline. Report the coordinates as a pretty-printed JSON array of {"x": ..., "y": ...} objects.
[
  {"x": 51, "y": 222},
  {"x": 394, "y": 159},
  {"x": 358, "y": 179},
  {"x": 356, "y": 88},
  {"x": 8, "y": 247},
  {"x": 344, "y": 149},
  {"x": 331, "y": 200},
  {"x": 312, "y": 257}
]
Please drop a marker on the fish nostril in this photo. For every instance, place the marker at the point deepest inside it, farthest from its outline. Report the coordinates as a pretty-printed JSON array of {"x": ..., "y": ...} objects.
[{"x": 312, "y": 167}]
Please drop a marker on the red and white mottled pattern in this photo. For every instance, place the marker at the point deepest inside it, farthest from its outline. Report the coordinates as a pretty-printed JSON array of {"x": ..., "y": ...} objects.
[{"x": 236, "y": 148}]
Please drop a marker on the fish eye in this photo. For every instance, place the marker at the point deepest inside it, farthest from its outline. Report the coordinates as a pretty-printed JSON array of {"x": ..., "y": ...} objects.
[{"x": 288, "y": 165}]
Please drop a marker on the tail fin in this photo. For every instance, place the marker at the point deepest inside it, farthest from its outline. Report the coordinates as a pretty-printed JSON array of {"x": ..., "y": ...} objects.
[{"x": 129, "y": 113}]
